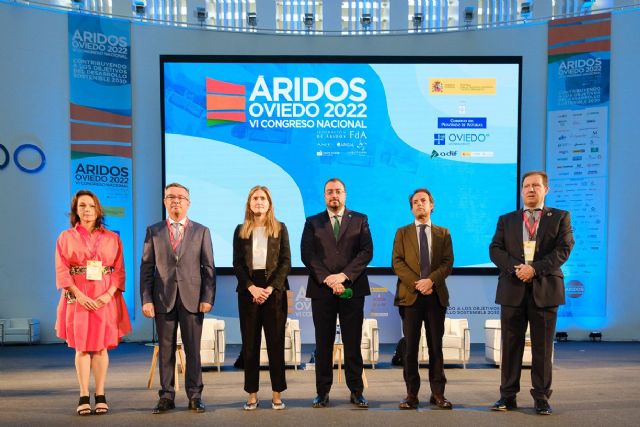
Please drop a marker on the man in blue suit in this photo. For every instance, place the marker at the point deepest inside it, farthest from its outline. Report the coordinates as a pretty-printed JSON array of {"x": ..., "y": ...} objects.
[
  {"x": 529, "y": 247},
  {"x": 177, "y": 286},
  {"x": 336, "y": 247}
]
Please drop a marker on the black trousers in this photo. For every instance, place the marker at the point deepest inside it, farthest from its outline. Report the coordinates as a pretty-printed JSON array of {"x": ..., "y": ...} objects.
[
  {"x": 272, "y": 316},
  {"x": 513, "y": 322},
  {"x": 351, "y": 313},
  {"x": 191, "y": 333},
  {"x": 427, "y": 309}
]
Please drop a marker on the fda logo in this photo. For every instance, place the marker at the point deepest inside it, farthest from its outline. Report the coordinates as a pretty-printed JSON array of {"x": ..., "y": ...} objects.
[{"x": 439, "y": 139}]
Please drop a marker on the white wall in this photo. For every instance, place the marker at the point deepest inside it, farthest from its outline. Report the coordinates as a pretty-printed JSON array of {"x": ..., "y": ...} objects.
[{"x": 34, "y": 106}]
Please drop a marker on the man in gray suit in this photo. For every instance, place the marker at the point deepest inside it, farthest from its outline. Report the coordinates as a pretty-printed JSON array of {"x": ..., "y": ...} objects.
[{"x": 177, "y": 286}]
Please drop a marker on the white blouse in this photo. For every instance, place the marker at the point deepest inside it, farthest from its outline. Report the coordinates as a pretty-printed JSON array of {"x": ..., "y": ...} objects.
[{"x": 259, "y": 248}]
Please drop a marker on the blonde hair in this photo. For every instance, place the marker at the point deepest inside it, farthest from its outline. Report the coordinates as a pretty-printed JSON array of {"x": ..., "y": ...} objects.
[{"x": 272, "y": 225}]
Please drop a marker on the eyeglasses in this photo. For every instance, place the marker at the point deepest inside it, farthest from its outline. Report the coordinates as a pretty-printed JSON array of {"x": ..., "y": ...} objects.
[{"x": 177, "y": 199}]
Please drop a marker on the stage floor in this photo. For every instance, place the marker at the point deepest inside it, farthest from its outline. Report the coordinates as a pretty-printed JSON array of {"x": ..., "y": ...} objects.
[{"x": 594, "y": 384}]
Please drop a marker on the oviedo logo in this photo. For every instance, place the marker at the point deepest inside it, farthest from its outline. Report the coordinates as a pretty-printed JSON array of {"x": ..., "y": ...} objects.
[
  {"x": 225, "y": 102},
  {"x": 450, "y": 153}
]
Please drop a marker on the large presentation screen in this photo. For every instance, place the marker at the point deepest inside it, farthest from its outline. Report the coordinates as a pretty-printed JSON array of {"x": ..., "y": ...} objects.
[{"x": 383, "y": 125}]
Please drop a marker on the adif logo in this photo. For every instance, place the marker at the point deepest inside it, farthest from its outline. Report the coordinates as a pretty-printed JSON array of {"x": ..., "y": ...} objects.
[
  {"x": 450, "y": 153},
  {"x": 439, "y": 139},
  {"x": 225, "y": 102}
]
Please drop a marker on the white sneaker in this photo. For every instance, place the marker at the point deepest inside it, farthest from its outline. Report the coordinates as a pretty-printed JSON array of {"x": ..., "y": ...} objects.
[
  {"x": 251, "y": 406},
  {"x": 278, "y": 406}
]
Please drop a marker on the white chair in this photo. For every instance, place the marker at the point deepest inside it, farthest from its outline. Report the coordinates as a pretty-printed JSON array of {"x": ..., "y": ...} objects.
[
  {"x": 493, "y": 343},
  {"x": 19, "y": 331},
  {"x": 292, "y": 345},
  {"x": 456, "y": 342},
  {"x": 212, "y": 343},
  {"x": 369, "y": 343}
]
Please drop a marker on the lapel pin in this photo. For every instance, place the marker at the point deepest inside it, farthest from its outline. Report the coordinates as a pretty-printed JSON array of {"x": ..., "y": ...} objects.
[{"x": 549, "y": 214}]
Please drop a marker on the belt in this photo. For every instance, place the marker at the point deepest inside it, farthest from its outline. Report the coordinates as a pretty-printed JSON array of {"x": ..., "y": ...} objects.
[{"x": 78, "y": 269}]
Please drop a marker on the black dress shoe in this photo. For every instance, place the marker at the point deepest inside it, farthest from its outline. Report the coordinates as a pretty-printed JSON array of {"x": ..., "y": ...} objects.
[
  {"x": 321, "y": 401},
  {"x": 543, "y": 407},
  {"x": 505, "y": 404},
  {"x": 196, "y": 405},
  {"x": 409, "y": 402},
  {"x": 358, "y": 400},
  {"x": 440, "y": 401},
  {"x": 163, "y": 405}
]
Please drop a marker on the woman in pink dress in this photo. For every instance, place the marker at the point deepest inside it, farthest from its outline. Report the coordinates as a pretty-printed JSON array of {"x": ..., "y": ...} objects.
[{"x": 92, "y": 316}]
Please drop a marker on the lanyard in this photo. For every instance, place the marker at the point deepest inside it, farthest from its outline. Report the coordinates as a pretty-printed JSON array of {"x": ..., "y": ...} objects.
[
  {"x": 176, "y": 242},
  {"x": 93, "y": 249},
  {"x": 531, "y": 228}
]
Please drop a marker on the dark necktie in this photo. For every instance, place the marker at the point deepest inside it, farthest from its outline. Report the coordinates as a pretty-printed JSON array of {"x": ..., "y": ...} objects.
[
  {"x": 336, "y": 226},
  {"x": 425, "y": 264}
]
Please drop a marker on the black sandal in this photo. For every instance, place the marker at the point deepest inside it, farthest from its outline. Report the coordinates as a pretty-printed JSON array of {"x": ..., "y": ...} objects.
[
  {"x": 100, "y": 398},
  {"x": 84, "y": 400}
]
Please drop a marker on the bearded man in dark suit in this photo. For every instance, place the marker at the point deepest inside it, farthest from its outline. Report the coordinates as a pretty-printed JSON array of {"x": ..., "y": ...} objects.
[{"x": 336, "y": 247}]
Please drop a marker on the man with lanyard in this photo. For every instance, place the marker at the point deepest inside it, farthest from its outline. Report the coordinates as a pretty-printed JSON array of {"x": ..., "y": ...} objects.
[
  {"x": 529, "y": 247},
  {"x": 177, "y": 286}
]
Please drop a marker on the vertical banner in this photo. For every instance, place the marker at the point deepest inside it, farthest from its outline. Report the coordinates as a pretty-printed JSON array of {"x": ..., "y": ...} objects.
[
  {"x": 100, "y": 123},
  {"x": 577, "y": 146}
]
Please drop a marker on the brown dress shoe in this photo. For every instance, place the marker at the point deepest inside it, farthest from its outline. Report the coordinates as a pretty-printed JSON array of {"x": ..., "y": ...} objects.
[
  {"x": 440, "y": 401},
  {"x": 409, "y": 402}
]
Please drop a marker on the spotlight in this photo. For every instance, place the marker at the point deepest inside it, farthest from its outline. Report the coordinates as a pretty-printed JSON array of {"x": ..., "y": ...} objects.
[
  {"x": 417, "y": 21},
  {"x": 252, "y": 19},
  {"x": 139, "y": 7},
  {"x": 308, "y": 21},
  {"x": 468, "y": 14},
  {"x": 562, "y": 336},
  {"x": 595, "y": 336},
  {"x": 525, "y": 10},
  {"x": 586, "y": 6},
  {"x": 201, "y": 14},
  {"x": 365, "y": 20}
]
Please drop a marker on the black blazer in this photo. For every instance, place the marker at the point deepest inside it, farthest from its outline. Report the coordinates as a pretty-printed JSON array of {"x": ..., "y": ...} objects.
[
  {"x": 554, "y": 242},
  {"x": 323, "y": 255},
  {"x": 278, "y": 263},
  {"x": 190, "y": 269}
]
